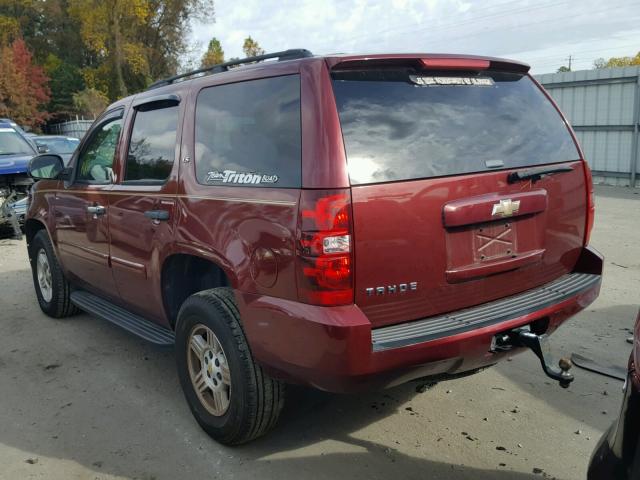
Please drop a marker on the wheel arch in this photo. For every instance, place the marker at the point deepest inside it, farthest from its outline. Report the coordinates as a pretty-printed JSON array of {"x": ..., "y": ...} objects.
[
  {"x": 186, "y": 273},
  {"x": 31, "y": 228}
]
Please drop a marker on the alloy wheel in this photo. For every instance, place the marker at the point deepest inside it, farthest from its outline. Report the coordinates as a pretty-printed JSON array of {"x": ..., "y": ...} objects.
[
  {"x": 43, "y": 272},
  {"x": 209, "y": 370}
]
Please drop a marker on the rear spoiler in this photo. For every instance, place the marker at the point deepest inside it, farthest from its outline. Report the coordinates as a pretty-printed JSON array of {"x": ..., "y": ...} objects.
[{"x": 423, "y": 61}]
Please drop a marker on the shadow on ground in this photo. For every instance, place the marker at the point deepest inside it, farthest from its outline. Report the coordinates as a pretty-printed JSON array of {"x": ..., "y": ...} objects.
[{"x": 82, "y": 390}]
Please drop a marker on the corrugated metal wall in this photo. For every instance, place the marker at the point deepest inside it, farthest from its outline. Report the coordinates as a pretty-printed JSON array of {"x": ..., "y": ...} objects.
[{"x": 603, "y": 106}]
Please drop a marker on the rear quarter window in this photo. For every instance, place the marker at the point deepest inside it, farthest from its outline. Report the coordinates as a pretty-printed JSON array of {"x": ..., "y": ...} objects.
[
  {"x": 248, "y": 133},
  {"x": 403, "y": 125}
]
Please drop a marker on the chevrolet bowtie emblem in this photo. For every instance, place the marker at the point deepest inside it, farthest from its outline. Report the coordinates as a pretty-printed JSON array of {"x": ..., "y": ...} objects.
[{"x": 505, "y": 208}]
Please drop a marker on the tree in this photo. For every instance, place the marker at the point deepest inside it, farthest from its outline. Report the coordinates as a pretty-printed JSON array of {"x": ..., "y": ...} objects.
[
  {"x": 564, "y": 68},
  {"x": 214, "y": 54},
  {"x": 134, "y": 41},
  {"x": 251, "y": 48},
  {"x": 9, "y": 29},
  {"x": 65, "y": 80},
  {"x": 617, "y": 62},
  {"x": 109, "y": 29},
  {"x": 90, "y": 102},
  {"x": 20, "y": 14},
  {"x": 116, "y": 47},
  {"x": 166, "y": 33},
  {"x": 23, "y": 86}
]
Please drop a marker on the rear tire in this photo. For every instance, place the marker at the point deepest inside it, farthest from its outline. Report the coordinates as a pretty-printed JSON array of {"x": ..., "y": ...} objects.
[
  {"x": 230, "y": 396},
  {"x": 52, "y": 288}
]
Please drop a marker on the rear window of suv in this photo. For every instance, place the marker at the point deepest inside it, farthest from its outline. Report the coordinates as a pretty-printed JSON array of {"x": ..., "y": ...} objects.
[
  {"x": 403, "y": 125},
  {"x": 248, "y": 133}
]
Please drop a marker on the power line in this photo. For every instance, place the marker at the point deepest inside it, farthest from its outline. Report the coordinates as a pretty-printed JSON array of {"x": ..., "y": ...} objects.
[
  {"x": 464, "y": 22},
  {"x": 580, "y": 52},
  {"x": 551, "y": 20},
  {"x": 476, "y": 19},
  {"x": 468, "y": 21}
]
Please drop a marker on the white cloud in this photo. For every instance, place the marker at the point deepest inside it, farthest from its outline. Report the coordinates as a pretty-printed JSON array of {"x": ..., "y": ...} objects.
[{"x": 543, "y": 33}]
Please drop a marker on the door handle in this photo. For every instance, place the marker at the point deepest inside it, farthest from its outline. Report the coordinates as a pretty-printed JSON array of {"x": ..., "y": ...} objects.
[
  {"x": 157, "y": 214},
  {"x": 97, "y": 209}
]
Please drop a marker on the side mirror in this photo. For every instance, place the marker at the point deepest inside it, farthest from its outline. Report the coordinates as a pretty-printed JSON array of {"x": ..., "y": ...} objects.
[
  {"x": 47, "y": 166},
  {"x": 42, "y": 149}
]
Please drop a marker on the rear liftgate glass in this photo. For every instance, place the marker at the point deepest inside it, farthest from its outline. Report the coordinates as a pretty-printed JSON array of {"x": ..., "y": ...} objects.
[{"x": 449, "y": 206}]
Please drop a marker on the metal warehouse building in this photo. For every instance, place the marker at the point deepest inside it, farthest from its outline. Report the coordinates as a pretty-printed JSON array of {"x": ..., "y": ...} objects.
[{"x": 603, "y": 106}]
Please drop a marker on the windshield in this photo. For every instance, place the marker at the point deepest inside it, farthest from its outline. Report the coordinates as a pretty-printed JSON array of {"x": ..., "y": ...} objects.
[
  {"x": 59, "y": 145},
  {"x": 402, "y": 125},
  {"x": 12, "y": 143}
]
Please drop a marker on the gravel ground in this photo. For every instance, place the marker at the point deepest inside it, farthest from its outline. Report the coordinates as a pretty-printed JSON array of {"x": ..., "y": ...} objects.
[{"x": 80, "y": 398}]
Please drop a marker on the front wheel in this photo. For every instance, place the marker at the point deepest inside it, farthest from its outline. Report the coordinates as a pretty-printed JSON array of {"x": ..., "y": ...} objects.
[
  {"x": 52, "y": 288},
  {"x": 230, "y": 396}
]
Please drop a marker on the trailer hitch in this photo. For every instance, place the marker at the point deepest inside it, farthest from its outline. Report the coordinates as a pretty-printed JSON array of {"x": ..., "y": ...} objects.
[{"x": 539, "y": 344}]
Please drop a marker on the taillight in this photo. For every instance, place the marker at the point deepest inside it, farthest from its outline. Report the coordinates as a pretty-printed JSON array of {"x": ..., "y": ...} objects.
[
  {"x": 591, "y": 206},
  {"x": 324, "y": 250}
]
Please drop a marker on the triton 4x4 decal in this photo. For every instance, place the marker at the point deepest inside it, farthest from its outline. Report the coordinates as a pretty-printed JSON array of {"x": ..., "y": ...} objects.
[{"x": 231, "y": 176}]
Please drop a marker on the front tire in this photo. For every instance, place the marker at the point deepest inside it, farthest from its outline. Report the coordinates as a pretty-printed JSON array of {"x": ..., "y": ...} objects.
[
  {"x": 228, "y": 393},
  {"x": 52, "y": 288}
]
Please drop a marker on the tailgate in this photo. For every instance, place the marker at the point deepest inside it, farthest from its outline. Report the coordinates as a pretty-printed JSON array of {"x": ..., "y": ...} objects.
[{"x": 437, "y": 225}]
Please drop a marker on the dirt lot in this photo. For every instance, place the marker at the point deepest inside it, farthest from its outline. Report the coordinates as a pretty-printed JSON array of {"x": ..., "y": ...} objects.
[{"x": 80, "y": 398}]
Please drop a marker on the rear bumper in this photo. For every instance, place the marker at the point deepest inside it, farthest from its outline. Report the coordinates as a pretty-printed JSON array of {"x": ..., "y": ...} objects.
[{"x": 335, "y": 348}]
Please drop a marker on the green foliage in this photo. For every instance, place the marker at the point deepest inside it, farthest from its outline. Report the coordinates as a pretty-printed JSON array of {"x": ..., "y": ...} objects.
[
  {"x": 9, "y": 29},
  {"x": 167, "y": 32},
  {"x": 65, "y": 80},
  {"x": 564, "y": 68},
  {"x": 251, "y": 48},
  {"x": 214, "y": 54},
  {"x": 617, "y": 62},
  {"x": 112, "y": 47},
  {"x": 109, "y": 30},
  {"x": 90, "y": 102}
]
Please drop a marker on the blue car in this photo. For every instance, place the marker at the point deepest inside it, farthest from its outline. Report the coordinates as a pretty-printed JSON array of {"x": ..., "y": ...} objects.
[
  {"x": 15, "y": 153},
  {"x": 19, "y": 209},
  {"x": 58, "y": 144}
]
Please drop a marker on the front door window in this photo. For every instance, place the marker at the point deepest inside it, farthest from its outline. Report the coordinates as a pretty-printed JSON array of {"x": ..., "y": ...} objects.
[{"x": 95, "y": 164}]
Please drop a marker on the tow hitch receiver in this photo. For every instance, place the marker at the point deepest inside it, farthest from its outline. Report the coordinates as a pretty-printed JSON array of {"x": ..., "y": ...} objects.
[{"x": 539, "y": 344}]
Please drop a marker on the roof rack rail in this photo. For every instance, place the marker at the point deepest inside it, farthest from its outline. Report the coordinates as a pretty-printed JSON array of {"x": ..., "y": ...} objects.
[{"x": 223, "y": 67}]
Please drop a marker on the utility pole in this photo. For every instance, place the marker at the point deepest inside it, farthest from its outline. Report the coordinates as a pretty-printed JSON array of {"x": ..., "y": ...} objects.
[{"x": 569, "y": 61}]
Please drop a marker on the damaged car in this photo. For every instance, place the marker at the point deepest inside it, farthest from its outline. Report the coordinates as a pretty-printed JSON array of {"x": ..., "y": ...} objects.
[{"x": 15, "y": 153}]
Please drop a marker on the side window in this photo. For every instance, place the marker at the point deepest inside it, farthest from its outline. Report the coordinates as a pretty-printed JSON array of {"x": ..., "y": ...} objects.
[
  {"x": 95, "y": 164},
  {"x": 153, "y": 143},
  {"x": 248, "y": 133}
]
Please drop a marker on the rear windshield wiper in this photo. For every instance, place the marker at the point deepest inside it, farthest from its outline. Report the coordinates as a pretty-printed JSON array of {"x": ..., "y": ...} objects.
[{"x": 535, "y": 174}]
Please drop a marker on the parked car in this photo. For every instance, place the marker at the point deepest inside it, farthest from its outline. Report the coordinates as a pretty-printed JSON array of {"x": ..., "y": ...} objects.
[
  {"x": 617, "y": 454},
  {"x": 15, "y": 126},
  {"x": 19, "y": 209},
  {"x": 15, "y": 153},
  {"x": 346, "y": 222},
  {"x": 63, "y": 146}
]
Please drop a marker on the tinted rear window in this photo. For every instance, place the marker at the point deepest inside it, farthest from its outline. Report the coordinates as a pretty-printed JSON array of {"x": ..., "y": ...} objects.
[
  {"x": 248, "y": 133},
  {"x": 400, "y": 125}
]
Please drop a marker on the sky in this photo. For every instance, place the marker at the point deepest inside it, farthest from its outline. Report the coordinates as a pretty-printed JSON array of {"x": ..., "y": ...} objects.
[{"x": 543, "y": 33}]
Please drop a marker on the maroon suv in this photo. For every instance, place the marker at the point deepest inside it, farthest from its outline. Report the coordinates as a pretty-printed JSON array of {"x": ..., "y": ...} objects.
[{"x": 343, "y": 222}]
